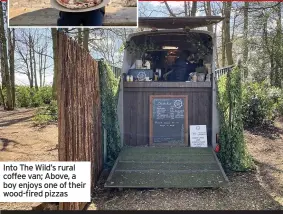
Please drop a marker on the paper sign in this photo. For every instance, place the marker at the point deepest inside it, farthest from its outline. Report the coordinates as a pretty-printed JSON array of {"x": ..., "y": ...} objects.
[{"x": 198, "y": 136}]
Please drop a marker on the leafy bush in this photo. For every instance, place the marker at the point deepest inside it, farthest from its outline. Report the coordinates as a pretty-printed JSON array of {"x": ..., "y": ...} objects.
[
  {"x": 280, "y": 105},
  {"x": 29, "y": 97},
  {"x": 23, "y": 96},
  {"x": 47, "y": 114},
  {"x": 109, "y": 86},
  {"x": 233, "y": 153},
  {"x": 45, "y": 94},
  {"x": 261, "y": 104}
]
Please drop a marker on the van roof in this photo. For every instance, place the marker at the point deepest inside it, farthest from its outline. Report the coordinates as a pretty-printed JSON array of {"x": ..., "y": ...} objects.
[
  {"x": 171, "y": 32},
  {"x": 178, "y": 22}
]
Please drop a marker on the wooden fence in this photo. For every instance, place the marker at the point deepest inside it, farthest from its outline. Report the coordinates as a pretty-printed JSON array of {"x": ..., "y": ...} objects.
[
  {"x": 117, "y": 71},
  {"x": 79, "y": 120}
]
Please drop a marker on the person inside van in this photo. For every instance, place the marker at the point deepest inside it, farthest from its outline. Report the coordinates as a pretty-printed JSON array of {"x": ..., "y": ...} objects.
[
  {"x": 200, "y": 67},
  {"x": 178, "y": 72},
  {"x": 90, "y": 18},
  {"x": 181, "y": 69},
  {"x": 191, "y": 66}
]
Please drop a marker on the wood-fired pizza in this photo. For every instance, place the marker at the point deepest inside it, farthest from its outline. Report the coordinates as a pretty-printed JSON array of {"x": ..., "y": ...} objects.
[{"x": 79, "y": 4}]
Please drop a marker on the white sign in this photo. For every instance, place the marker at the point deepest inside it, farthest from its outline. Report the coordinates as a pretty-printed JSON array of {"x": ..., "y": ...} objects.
[
  {"x": 198, "y": 136},
  {"x": 45, "y": 182}
]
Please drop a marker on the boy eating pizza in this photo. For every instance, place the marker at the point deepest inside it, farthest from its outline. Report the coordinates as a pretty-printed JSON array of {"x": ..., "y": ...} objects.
[{"x": 90, "y": 18}]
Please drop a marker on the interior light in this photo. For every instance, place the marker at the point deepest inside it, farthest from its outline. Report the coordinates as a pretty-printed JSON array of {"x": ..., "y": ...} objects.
[{"x": 169, "y": 48}]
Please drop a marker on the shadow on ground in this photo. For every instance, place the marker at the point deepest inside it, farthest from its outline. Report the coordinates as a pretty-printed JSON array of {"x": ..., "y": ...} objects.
[
  {"x": 271, "y": 132},
  {"x": 6, "y": 142},
  {"x": 9, "y": 122},
  {"x": 267, "y": 173}
]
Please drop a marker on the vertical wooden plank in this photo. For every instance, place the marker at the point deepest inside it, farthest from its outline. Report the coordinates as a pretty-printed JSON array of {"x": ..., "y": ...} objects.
[
  {"x": 146, "y": 120},
  {"x": 134, "y": 114},
  {"x": 79, "y": 116},
  {"x": 186, "y": 128},
  {"x": 138, "y": 107},
  {"x": 150, "y": 119},
  {"x": 126, "y": 118}
]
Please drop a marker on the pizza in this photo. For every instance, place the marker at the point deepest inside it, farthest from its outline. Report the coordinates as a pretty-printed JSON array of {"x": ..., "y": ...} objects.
[{"x": 78, "y": 4}]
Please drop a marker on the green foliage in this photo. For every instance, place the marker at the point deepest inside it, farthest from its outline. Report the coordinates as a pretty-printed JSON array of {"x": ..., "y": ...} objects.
[
  {"x": 29, "y": 97},
  {"x": 109, "y": 86},
  {"x": 233, "y": 153},
  {"x": 262, "y": 103},
  {"x": 46, "y": 114}
]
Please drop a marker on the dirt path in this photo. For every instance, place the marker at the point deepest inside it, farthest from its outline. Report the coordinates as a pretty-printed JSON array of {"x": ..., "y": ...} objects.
[
  {"x": 20, "y": 141},
  {"x": 266, "y": 147}
]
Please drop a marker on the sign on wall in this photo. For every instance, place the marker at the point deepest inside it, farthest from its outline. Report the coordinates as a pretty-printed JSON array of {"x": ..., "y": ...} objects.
[{"x": 198, "y": 136}]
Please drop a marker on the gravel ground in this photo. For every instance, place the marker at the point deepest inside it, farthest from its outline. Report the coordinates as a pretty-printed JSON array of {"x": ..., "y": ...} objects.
[{"x": 257, "y": 190}]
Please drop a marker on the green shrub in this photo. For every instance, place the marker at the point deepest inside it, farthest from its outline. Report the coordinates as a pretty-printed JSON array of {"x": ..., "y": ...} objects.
[
  {"x": 42, "y": 119},
  {"x": 280, "y": 105},
  {"x": 109, "y": 86},
  {"x": 29, "y": 97},
  {"x": 23, "y": 96},
  {"x": 233, "y": 153},
  {"x": 46, "y": 114},
  {"x": 261, "y": 104},
  {"x": 45, "y": 94}
]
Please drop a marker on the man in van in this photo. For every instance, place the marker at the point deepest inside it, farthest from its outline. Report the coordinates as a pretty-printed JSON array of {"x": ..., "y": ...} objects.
[{"x": 182, "y": 68}]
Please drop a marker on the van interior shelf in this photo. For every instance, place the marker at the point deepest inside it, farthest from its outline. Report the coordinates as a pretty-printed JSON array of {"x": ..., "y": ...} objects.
[{"x": 167, "y": 84}]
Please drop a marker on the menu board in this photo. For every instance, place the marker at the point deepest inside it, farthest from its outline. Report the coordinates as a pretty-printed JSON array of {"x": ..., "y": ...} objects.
[
  {"x": 198, "y": 136},
  {"x": 168, "y": 119}
]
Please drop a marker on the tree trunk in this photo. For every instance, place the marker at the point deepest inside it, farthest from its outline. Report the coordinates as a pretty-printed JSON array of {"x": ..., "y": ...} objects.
[
  {"x": 80, "y": 38},
  {"x": 186, "y": 9},
  {"x": 40, "y": 53},
  {"x": 34, "y": 64},
  {"x": 246, "y": 48},
  {"x": 30, "y": 61},
  {"x": 208, "y": 13},
  {"x": 223, "y": 48},
  {"x": 44, "y": 69},
  {"x": 55, "y": 58},
  {"x": 216, "y": 50},
  {"x": 86, "y": 38},
  {"x": 278, "y": 55},
  {"x": 228, "y": 42},
  {"x": 9, "y": 101},
  {"x": 194, "y": 8},
  {"x": 2, "y": 65},
  {"x": 2, "y": 98},
  {"x": 169, "y": 10},
  {"x": 12, "y": 44}
]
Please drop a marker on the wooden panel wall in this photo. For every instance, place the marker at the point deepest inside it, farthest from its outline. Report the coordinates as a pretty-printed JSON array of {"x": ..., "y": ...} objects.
[
  {"x": 79, "y": 121},
  {"x": 136, "y": 111}
]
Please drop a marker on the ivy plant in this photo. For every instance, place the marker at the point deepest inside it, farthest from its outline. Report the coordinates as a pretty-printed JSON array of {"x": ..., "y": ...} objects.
[
  {"x": 109, "y": 87},
  {"x": 233, "y": 153}
]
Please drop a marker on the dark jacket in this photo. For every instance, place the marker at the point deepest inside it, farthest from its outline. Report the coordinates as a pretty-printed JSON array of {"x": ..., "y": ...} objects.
[{"x": 180, "y": 70}]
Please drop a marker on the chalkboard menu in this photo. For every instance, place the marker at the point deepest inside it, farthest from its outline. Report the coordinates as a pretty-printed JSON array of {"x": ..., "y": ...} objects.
[{"x": 168, "y": 119}]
